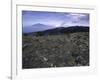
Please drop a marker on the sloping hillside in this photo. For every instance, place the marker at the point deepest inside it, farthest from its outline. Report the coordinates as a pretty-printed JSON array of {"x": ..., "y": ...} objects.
[{"x": 63, "y": 50}]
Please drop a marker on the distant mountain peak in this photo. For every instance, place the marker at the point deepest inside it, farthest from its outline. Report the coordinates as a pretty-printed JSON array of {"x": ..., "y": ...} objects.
[
  {"x": 39, "y": 24},
  {"x": 36, "y": 27}
]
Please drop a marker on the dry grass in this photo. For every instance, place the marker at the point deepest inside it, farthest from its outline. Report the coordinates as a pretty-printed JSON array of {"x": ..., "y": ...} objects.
[{"x": 56, "y": 50}]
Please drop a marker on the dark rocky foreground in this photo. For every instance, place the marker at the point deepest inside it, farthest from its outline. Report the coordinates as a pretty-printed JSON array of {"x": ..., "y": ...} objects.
[{"x": 63, "y": 50}]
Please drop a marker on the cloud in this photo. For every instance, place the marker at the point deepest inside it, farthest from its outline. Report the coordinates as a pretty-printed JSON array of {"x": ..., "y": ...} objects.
[{"x": 76, "y": 17}]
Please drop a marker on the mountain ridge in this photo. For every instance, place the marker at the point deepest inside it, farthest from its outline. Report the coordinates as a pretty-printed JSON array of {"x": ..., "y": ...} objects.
[{"x": 61, "y": 30}]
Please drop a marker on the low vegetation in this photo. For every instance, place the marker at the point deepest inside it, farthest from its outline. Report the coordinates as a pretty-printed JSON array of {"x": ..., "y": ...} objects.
[{"x": 63, "y": 50}]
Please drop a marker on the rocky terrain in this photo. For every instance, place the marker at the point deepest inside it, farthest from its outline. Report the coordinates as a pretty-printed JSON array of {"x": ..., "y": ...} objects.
[{"x": 60, "y": 50}]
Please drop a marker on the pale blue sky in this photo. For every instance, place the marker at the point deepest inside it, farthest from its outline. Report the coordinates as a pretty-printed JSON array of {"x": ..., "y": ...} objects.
[{"x": 55, "y": 19}]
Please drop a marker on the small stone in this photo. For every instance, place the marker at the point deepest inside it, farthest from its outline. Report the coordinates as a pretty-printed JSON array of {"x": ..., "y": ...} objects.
[
  {"x": 45, "y": 59},
  {"x": 53, "y": 49},
  {"x": 45, "y": 50},
  {"x": 51, "y": 64},
  {"x": 79, "y": 65}
]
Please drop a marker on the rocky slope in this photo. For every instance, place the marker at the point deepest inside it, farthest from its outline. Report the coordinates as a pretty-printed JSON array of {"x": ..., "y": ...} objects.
[{"x": 61, "y": 50}]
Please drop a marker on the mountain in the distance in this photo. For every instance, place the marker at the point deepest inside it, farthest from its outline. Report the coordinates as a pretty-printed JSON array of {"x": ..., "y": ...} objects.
[
  {"x": 36, "y": 27},
  {"x": 68, "y": 29},
  {"x": 61, "y": 30}
]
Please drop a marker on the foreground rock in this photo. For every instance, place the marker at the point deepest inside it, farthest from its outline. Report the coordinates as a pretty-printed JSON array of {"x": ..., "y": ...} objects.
[{"x": 63, "y": 50}]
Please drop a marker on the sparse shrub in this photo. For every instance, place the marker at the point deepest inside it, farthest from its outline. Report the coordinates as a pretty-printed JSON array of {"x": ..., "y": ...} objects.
[
  {"x": 39, "y": 34},
  {"x": 61, "y": 50}
]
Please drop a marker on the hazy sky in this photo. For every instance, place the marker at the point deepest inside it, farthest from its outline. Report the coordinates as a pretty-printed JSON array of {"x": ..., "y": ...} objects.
[{"x": 56, "y": 19}]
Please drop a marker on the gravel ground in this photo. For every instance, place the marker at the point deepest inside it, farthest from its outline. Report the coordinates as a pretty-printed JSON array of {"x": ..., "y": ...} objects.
[{"x": 64, "y": 50}]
